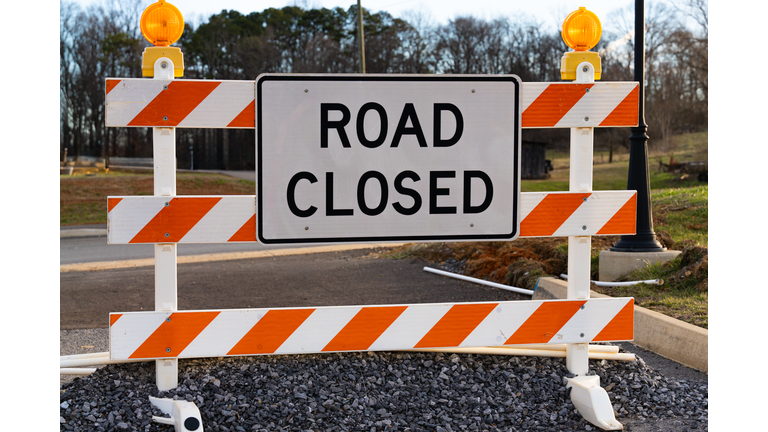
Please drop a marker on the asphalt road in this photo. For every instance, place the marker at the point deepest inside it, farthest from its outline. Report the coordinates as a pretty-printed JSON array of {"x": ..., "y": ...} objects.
[
  {"x": 355, "y": 277},
  {"x": 76, "y": 250},
  {"x": 323, "y": 279}
]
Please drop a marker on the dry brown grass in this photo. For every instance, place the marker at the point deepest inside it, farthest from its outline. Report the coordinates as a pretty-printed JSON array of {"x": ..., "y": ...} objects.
[{"x": 83, "y": 198}]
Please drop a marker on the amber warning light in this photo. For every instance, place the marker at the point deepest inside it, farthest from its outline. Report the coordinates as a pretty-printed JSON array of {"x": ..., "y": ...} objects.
[
  {"x": 162, "y": 24},
  {"x": 581, "y": 31}
]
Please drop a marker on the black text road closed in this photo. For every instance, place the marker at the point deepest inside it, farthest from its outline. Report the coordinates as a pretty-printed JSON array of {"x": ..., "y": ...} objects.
[{"x": 371, "y": 158}]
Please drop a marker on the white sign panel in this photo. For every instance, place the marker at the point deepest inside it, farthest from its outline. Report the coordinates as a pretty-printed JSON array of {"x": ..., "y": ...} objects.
[{"x": 358, "y": 158}]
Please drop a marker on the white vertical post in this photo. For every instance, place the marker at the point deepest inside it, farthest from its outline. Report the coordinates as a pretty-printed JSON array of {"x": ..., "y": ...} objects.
[
  {"x": 164, "y": 156},
  {"x": 580, "y": 248}
]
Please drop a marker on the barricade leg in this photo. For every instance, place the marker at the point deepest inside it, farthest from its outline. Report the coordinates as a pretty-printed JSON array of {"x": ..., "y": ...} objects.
[
  {"x": 167, "y": 370},
  {"x": 164, "y": 149},
  {"x": 579, "y": 253},
  {"x": 587, "y": 396}
]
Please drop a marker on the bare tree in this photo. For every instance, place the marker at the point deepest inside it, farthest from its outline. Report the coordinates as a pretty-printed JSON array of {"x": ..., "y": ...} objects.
[{"x": 104, "y": 41}]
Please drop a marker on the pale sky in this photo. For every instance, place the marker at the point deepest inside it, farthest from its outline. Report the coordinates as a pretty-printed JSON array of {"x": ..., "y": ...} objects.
[{"x": 549, "y": 12}]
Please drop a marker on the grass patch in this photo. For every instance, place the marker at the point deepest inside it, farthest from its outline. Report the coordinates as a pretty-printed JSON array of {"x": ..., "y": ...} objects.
[
  {"x": 613, "y": 176},
  {"x": 83, "y": 213},
  {"x": 683, "y": 214},
  {"x": 684, "y": 292},
  {"x": 83, "y": 198},
  {"x": 609, "y": 176}
]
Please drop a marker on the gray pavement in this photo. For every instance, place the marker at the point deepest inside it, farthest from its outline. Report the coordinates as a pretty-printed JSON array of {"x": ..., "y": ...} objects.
[{"x": 317, "y": 292}]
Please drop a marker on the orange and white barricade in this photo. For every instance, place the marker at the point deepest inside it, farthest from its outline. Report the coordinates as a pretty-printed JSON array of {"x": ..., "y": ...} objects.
[{"x": 166, "y": 334}]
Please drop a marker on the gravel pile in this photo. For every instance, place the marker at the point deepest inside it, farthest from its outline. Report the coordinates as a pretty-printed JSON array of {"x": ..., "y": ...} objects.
[{"x": 384, "y": 391}]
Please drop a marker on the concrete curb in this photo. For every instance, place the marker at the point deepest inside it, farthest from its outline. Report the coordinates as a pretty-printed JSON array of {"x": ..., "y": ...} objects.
[
  {"x": 226, "y": 256},
  {"x": 82, "y": 232},
  {"x": 676, "y": 340}
]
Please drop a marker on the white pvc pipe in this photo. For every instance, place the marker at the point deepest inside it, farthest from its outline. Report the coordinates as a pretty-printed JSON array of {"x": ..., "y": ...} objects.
[
  {"x": 93, "y": 361},
  {"x": 560, "y": 347},
  {"x": 617, "y": 284},
  {"x": 76, "y": 371},
  {"x": 480, "y": 281},
  {"x": 528, "y": 352},
  {"x": 83, "y": 356}
]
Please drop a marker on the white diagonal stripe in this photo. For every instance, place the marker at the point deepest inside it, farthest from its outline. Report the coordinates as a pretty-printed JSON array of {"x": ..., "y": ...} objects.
[
  {"x": 591, "y": 320},
  {"x": 531, "y": 92},
  {"x": 596, "y": 105},
  {"x": 594, "y": 214},
  {"x": 223, "y": 220},
  {"x": 129, "y": 98},
  {"x": 500, "y": 324},
  {"x": 411, "y": 326},
  {"x": 529, "y": 201},
  {"x": 223, "y": 333},
  {"x": 130, "y": 216},
  {"x": 131, "y": 330},
  {"x": 220, "y": 107},
  {"x": 315, "y": 333}
]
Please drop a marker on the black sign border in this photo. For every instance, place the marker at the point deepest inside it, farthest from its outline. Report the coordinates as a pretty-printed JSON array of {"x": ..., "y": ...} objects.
[{"x": 373, "y": 77}]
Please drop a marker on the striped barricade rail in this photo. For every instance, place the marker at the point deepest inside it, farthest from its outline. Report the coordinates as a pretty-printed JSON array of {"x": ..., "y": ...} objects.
[
  {"x": 240, "y": 332},
  {"x": 222, "y": 219},
  {"x": 231, "y": 104},
  {"x": 181, "y": 219}
]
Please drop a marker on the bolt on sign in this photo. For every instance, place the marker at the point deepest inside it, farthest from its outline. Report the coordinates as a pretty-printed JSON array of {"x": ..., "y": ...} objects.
[{"x": 350, "y": 158}]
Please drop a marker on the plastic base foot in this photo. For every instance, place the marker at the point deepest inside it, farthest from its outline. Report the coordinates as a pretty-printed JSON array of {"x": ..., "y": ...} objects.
[
  {"x": 592, "y": 402},
  {"x": 185, "y": 416}
]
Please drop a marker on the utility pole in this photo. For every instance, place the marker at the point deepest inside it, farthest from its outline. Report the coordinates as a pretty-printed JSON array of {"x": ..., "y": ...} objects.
[{"x": 360, "y": 36}]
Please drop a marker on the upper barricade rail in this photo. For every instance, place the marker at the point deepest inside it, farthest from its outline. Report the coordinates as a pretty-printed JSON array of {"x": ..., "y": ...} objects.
[{"x": 230, "y": 104}]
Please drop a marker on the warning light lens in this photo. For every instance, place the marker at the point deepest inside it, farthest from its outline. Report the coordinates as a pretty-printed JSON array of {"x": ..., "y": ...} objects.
[
  {"x": 581, "y": 30},
  {"x": 162, "y": 23}
]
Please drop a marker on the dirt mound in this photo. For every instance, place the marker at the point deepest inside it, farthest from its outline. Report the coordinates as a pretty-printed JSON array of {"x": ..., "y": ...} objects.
[
  {"x": 695, "y": 268},
  {"x": 518, "y": 263}
]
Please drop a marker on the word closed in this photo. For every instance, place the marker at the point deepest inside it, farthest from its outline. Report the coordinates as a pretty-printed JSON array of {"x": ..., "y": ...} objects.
[{"x": 387, "y": 158}]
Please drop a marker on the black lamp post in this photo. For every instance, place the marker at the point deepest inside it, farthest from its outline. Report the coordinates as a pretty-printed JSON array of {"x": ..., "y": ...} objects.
[{"x": 638, "y": 179}]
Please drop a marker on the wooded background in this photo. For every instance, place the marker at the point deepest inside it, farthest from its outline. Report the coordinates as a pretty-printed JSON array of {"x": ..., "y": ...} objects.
[{"x": 105, "y": 41}]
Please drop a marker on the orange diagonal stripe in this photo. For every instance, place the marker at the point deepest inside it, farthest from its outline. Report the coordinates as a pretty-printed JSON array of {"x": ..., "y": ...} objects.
[
  {"x": 551, "y": 213},
  {"x": 176, "y": 219},
  {"x": 247, "y": 232},
  {"x": 624, "y": 221},
  {"x": 246, "y": 119},
  {"x": 113, "y": 318},
  {"x": 175, "y": 103},
  {"x": 112, "y": 202},
  {"x": 626, "y": 113},
  {"x": 111, "y": 83},
  {"x": 552, "y": 104},
  {"x": 271, "y": 331},
  {"x": 175, "y": 334},
  {"x": 545, "y": 322},
  {"x": 363, "y": 330},
  {"x": 456, "y": 325},
  {"x": 621, "y": 326}
]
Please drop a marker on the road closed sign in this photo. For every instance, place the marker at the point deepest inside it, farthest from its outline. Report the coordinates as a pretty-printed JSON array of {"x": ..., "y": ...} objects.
[{"x": 376, "y": 158}]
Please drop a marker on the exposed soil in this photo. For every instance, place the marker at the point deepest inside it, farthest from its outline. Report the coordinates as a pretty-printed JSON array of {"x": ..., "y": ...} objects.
[{"x": 522, "y": 262}]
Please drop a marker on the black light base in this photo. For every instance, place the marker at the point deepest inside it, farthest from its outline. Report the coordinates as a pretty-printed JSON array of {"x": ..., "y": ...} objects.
[{"x": 638, "y": 243}]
